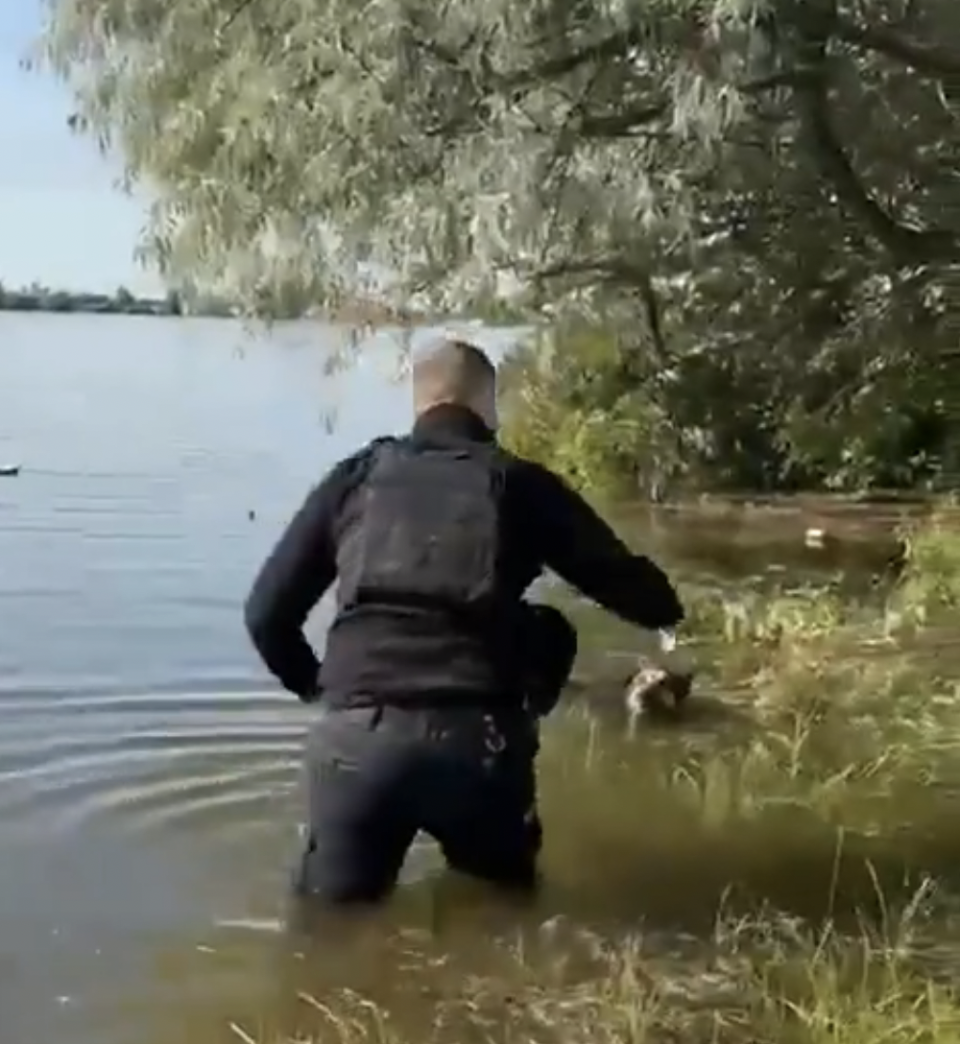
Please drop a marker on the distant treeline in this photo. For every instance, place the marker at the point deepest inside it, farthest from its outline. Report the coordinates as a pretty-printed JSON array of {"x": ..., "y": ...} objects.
[{"x": 38, "y": 298}]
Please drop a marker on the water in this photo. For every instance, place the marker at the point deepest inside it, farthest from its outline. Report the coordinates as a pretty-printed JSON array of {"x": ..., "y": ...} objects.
[
  {"x": 144, "y": 755},
  {"x": 148, "y": 767}
]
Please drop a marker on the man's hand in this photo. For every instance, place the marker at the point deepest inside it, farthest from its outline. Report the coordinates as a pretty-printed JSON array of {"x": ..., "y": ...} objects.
[
  {"x": 316, "y": 690},
  {"x": 672, "y": 660}
]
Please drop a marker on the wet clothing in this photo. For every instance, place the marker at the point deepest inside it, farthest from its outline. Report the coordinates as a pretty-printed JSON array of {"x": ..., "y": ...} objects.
[
  {"x": 435, "y": 668},
  {"x": 464, "y": 775},
  {"x": 377, "y": 776}
]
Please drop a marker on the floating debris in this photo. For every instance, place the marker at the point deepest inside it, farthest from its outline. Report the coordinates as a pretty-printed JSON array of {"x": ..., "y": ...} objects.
[{"x": 814, "y": 538}]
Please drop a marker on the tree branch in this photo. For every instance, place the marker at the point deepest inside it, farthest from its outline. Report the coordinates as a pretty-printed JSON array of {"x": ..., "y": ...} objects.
[
  {"x": 928, "y": 58},
  {"x": 651, "y": 307},
  {"x": 818, "y": 22},
  {"x": 607, "y": 48},
  {"x": 241, "y": 6},
  {"x": 623, "y": 122},
  {"x": 654, "y": 34},
  {"x": 630, "y": 275},
  {"x": 907, "y": 245}
]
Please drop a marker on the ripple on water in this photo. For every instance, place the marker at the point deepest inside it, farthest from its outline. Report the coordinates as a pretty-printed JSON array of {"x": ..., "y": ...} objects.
[{"x": 146, "y": 761}]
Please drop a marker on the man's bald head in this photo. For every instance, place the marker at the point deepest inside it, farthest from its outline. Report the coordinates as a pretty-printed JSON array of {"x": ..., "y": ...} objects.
[{"x": 459, "y": 374}]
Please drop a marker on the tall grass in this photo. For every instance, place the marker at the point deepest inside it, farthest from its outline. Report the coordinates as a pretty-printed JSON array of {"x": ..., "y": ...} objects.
[{"x": 841, "y": 756}]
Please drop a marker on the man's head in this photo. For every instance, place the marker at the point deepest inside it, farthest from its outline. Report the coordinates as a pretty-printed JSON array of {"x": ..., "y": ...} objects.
[{"x": 459, "y": 374}]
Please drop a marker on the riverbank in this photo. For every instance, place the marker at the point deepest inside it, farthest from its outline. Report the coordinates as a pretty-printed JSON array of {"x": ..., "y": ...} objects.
[{"x": 794, "y": 865}]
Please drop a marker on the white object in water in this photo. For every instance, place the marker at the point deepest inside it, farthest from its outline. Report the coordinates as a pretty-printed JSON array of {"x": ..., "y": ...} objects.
[
  {"x": 814, "y": 537},
  {"x": 271, "y": 925},
  {"x": 9, "y": 470}
]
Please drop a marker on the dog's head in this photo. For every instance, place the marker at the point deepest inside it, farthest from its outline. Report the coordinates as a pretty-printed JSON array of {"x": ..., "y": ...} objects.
[{"x": 655, "y": 691}]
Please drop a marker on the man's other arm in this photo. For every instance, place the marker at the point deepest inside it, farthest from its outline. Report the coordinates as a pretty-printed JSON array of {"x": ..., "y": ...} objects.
[
  {"x": 584, "y": 551},
  {"x": 297, "y": 574}
]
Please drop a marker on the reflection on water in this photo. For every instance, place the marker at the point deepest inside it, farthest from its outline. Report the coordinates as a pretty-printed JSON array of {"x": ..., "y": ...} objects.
[
  {"x": 180, "y": 760},
  {"x": 149, "y": 771}
]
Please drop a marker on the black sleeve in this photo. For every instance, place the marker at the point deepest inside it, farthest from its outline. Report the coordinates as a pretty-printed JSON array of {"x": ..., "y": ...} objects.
[
  {"x": 585, "y": 552},
  {"x": 297, "y": 574}
]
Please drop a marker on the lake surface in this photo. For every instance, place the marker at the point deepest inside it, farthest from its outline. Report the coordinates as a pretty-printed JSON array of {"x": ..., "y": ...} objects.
[{"x": 148, "y": 766}]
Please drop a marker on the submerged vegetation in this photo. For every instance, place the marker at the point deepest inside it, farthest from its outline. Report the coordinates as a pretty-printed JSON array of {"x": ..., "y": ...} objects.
[
  {"x": 767, "y": 981},
  {"x": 792, "y": 870}
]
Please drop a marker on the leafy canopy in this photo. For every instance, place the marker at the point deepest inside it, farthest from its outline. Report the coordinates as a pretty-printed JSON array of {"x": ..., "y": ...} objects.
[
  {"x": 757, "y": 201},
  {"x": 446, "y": 142}
]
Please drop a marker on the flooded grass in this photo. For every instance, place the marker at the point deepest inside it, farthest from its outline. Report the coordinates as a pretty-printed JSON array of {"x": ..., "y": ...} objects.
[
  {"x": 760, "y": 981},
  {"x": 782, "y": 866}
]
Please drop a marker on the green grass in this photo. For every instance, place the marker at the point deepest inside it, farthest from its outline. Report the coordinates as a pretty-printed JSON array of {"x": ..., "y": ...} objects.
[
  {"x": 799, "y": 857},
  {"x": 757, "y": 981}
]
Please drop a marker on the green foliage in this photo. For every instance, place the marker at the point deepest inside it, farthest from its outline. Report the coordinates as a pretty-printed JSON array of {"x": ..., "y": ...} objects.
[
  {"x": 599, "y": 410},
  {"x": 931, "y": 581},
  {"x": 566, "y": 404},
  {"x": 448, "y": 141},
  {"x": 758, "y": 201}
]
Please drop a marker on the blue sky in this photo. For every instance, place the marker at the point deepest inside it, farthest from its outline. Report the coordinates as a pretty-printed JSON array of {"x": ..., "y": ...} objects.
[{"x": 62, "y": 221}]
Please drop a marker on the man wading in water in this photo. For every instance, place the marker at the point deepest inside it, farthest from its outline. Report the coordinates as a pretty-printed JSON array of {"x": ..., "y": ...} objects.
[{"x": 435, "y": 669}]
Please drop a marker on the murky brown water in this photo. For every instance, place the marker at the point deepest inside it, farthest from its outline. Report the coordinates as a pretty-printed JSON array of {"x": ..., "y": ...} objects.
[{"x": 148, "y": 769}]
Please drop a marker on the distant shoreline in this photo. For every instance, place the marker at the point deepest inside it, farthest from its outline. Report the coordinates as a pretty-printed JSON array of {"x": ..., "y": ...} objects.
[
  {"x": 42, "y": 301},
  {"x": 62, "y": 302}
]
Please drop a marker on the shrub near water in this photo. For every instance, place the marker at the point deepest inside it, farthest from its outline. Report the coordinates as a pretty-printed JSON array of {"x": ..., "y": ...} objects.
[{"x": 791, "y": 873}]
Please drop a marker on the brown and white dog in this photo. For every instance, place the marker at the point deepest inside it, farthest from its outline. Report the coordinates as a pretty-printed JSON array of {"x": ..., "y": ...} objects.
[{"x": 655, "y": 692}]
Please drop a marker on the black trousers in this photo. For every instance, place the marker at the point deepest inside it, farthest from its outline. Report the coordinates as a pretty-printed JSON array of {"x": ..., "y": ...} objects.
[{"x": 378, "y": 776}]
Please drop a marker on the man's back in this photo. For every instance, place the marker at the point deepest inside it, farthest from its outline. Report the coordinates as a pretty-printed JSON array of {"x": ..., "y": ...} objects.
[
  {"x": 397, "y": 652},
  {"x": 435, "y": 669},
  {"x": 407, "y": 649}
]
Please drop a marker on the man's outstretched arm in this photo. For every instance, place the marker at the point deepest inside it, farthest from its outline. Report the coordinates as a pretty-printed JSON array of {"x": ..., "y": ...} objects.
[
  {"x": 297, "y": 574},
  {"x": 585, "y": 552}
]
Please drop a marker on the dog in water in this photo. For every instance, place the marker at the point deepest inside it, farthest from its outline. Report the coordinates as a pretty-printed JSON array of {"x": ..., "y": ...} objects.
[{"x": 655, "y": 692}]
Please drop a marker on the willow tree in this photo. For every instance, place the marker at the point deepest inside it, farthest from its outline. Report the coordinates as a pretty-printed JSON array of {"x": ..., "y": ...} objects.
[
  {"x": 763, "y": 187},
  {"x": 446, "y": 142}
]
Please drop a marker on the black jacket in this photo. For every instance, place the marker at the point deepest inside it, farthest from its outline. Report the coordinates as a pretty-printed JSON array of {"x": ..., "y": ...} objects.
[{"x": 545, "y": 524}]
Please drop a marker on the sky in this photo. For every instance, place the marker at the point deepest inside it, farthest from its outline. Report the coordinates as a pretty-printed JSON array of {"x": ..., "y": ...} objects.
[{"x": 63, "y": 222}]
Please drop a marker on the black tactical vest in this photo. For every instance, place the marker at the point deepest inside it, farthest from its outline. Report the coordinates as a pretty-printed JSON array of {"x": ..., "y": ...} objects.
[{"x": 424, "y": 531}]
